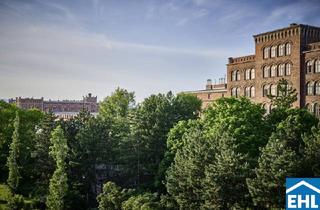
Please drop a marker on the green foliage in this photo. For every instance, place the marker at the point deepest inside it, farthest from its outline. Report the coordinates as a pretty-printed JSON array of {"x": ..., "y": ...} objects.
[
  {"x": 14, "y": 174},
  {"x": 225, "y": 178},
  {"x": 282, "y": 157},
  {"x": 58, "y": 183},
  {"x": 286, "y": 96},
  {"x": 112, "y": 196},
  {"x": 311, "y": 151},
  {"x": 43, "y": 162},
  {"x": 151, "y": 123},
  {"x": 117, "y": 105},
  {"x": 241, "y": 119},
  {"x": 145, "y": 201},
  {"x": 184, "y": 180}
]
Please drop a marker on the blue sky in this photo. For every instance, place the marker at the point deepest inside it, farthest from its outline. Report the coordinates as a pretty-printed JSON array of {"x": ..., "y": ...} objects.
[{"x": 66, "y": 48}]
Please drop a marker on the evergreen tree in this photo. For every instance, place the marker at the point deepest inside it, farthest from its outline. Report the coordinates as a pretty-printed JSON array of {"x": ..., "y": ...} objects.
[
  {"x": 225, "y": 181},
  {"x": 12, "y": 162},
  {"x": 185, "y": 177},
  {"x": 58, "y": 183},
  {"x": 282, "y": 157},
  {"x": 43, "y": 162}
]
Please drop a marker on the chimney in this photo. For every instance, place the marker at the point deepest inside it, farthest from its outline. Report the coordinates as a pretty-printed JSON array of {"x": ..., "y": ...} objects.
[{"x": 209, "y": 84}]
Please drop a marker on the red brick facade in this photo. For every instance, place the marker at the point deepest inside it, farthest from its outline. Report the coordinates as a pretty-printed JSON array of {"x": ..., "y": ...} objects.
[
  {"x": 63, "y": 109},
  {"x": 292, "y": 53}
]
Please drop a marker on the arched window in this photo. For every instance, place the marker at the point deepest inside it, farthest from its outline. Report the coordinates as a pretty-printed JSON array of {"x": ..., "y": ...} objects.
[
  {"x": 316, "y": 109},
  {"x": 288, "y": 69},
  {"x": 234, "y": 76},
  {"x": 281, "y": 50},
  {"x": 273, "y": 71},
  {"x": 273, "y": 51},
  {"x": 234, "y": 92},
  {"x": 238, "y": 92},
  {"x": 253, "y": 92},
  {"x": 247, "y": 74},
  {"x": 238, "y": 75},
  {"x": 317, "y": 66},
  {"x": 247, "y": 91},
  {"x": 266, "y": 52},
  {"x": 317, "y": 85},
  {"x": 266, "y": 71},
  {"x": 253, "y": 74},
  {"x": 310, "y": 88},
  {"x": 288, "y": 48},
  {"x": 273, "y": 90},
  {"x": 281, "y": 69},
  {"x": 309, "y": 67},
  {"x": 266, "y": 90}
]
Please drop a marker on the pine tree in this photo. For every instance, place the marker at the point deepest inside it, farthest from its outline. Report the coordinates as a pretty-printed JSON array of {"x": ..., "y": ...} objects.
[
  {"x": 12, "y": 162},
  {"x": 225, "y": 181},
  {"x": 58, "y": 183}
]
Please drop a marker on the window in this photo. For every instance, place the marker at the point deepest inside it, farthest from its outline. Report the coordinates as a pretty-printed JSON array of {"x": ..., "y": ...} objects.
[
  {"x": 273, "y": 51},
  {"x": 288, "y": 48},
  {"x": 238, "y": 75},
  {"x": 247, "y": 92},
  {"x": 273, "y": 90},
  {"x": 266, "y": 71},
  {"x": 281, "y": 50},
  {"x": 238, "y": 92},
  {"x": 317, "y": 88},
  {"x": 253, "y": 73},
  {"x": 317, "y": 66},
  {"x": 309, "y": 88},
  {"x": 234, "y": 76},
  {"x": 266, "y": 90},
  {"x": 234, "y": 92},
  {"x": 309, "y": 67},
  {"x": 253, "y": 92},
  {"x": 317, "y": 109},
  {"x": 247, "y": 74},
  {"x": 273, "y": 71},
  {"x": 281, "y": 69},
  {"x": 288, "y": 69},
  {"x": 266, "y": 52}
]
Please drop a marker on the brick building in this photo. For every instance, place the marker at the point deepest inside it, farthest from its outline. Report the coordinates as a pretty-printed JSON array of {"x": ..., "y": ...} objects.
[
  {"x": 62, "y": 108},
  {"x": 292, "y": 53}
]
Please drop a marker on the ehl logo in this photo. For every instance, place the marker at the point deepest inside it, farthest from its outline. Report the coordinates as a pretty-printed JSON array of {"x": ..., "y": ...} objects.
[{"x": 302, "y": 193}]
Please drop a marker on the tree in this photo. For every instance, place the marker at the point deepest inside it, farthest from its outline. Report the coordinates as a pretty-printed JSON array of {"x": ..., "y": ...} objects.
[
  {"x": 95, "y": 151},
  {"x": 286, "y": 96},
  {"x": 225, "y": 178},
  {"x": 117, "y": 105},
  {"x": 311, "y": 151},
  {"x": 112, "y": 196},
  {"x": 185, "y": 177},
  {"x": 58, "y": 183},
  {"x": 151, "y": 122},
  {"x": 43, "y": 162},
  {"x": 13, "y": 158},
  {"x": 242, "y": 120},
  {"x": 144, "y": 201},
  {"x": 282, "y": 157}
]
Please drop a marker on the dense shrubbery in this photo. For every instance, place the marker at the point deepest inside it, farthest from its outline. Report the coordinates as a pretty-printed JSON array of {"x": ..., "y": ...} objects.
[{"x": 159, "y": 154}]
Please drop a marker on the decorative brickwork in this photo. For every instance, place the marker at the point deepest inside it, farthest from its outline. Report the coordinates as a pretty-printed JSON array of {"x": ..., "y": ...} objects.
[{"x": 292, "y": 53}]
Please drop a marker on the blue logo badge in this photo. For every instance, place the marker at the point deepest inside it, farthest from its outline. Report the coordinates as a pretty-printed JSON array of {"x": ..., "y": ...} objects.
[{"x": 302, "y": 193}]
